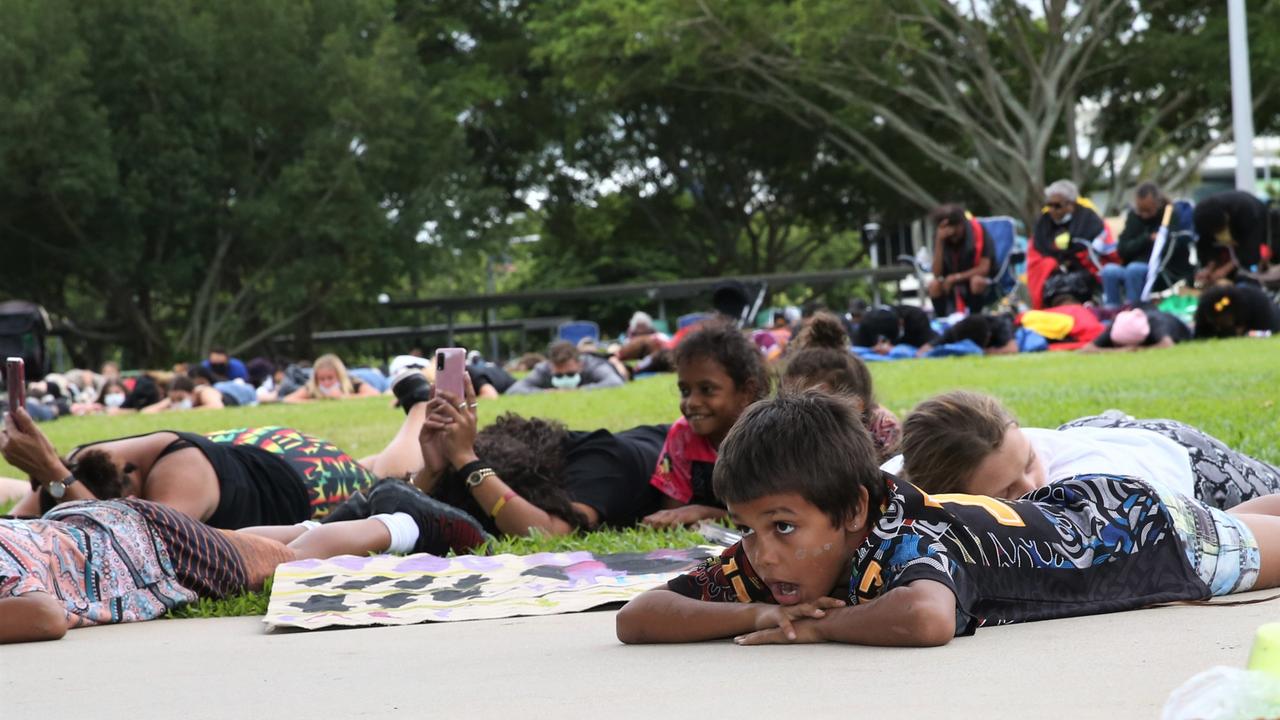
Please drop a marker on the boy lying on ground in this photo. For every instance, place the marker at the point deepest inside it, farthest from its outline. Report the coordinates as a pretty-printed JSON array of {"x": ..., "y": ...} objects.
[{"x": 835, "y": 550}]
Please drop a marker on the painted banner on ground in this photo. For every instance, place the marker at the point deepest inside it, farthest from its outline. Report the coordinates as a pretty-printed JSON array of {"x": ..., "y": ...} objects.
[{"x": 403, "y": 590}]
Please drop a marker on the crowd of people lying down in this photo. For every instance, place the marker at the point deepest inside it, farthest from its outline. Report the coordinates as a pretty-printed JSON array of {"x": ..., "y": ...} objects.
[{"x": 856, "y": 526}]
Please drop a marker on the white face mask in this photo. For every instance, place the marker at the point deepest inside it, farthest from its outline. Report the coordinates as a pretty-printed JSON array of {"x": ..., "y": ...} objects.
[
  {"x": 181, "y": 405},
  {"x": 331, "y": 389},
  {"x": 113, "y": 400},
  {"x": 566, "y": 381},
  {"x": 1065, "y": 219}
]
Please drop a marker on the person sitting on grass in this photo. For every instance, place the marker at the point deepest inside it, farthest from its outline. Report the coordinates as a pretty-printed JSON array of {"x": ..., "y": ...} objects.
[
  {"x": 719, "y": 372},
  {"x": 330, "y": 381},
  {"x": 112, "y": 561},
  {"x": 1140, "y": 329},
  {"x": 966, "y": 442},
  {"x": 568, "y": 369},
  {"x": 519, "y": 475},
  {"x": 836, "y": 550},
  {"x": 821, "y": 360}
]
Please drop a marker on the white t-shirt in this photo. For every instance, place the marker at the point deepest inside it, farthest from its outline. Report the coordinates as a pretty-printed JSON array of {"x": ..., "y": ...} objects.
[
  {"x": 1143, "y": 454},
  {"x": 1113, "y": 451}
]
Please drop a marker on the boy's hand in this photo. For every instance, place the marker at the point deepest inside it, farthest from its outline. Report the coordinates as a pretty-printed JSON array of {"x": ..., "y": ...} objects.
[{"x": 784, "y": 623}]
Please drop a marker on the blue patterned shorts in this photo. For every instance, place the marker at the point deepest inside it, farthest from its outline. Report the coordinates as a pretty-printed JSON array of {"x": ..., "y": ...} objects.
[{"x": 1220, "y": 547}]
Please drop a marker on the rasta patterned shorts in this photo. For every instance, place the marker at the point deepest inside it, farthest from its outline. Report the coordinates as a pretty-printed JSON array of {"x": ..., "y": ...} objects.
[
  {"x": 1224, "y": 477},
  {"x": 330, "y": 474},
  {"x": 1220, "y": 547}
]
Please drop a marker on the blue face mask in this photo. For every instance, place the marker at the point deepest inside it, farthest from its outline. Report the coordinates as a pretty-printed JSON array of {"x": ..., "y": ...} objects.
[{"x": 564, "y": 382}]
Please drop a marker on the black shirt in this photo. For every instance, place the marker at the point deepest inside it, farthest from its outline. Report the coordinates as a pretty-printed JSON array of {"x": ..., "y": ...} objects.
[
  {"x": 1163, "y": 325},
  {"x": 899, "y": 324},
  {"x": 1084, "y": 225},
  {"x": 1091, "y": 544},
  {"x": 610, "y": 472},
  {"x": 1239, "y": 212},
  {"x": 962, "y": 256}
]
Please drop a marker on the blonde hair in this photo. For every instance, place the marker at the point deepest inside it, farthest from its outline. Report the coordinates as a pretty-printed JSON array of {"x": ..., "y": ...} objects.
[
  {"x": 334, "y": 363},
  {"x": 946, "y": 438}
]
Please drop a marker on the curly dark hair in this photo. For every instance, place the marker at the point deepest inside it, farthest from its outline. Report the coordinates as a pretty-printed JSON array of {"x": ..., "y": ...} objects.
[
  {"x": 1230, "y": 310},
  {"x": 528, "y": 454},
  {"x": 724, "y": 343},
  {"x": 99, "y": 474}
]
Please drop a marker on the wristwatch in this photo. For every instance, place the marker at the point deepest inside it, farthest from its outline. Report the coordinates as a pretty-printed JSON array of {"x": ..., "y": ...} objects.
[
  {"x": 478, "y": 476},
  {"x": 58, "y": 488}
]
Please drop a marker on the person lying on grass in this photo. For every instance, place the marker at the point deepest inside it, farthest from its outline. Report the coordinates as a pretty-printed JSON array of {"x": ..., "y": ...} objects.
[
  {"x": 96, "y": 562},
  {"x": 969, "y": 442},
  {"x": 520, "y": 475},
  {"x": 719, "y": 372},
  {"x": 836, "y": 550},
  {"x": 820, "y": 359},
  {"x": 231, "y": 479}
]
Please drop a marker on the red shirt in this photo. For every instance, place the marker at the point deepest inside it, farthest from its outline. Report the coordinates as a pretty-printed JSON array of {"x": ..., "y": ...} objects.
[{"x": 684, "y": 466}]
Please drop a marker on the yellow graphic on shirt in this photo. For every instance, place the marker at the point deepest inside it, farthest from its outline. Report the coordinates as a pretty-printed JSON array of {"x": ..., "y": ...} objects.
[{"x": 1001, "y": 511}]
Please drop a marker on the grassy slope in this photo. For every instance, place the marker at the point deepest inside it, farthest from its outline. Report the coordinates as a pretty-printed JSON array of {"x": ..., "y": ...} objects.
[{"x": 1226, "y": 388}]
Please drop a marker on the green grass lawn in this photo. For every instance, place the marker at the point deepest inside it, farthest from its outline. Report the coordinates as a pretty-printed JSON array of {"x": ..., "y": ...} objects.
[{"x": 1227, "y": 388}]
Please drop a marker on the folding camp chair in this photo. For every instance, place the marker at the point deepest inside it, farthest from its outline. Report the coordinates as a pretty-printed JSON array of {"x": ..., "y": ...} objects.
[
  {"x": 1003, "y": 232},
  {"x": 578, "y": 330}
]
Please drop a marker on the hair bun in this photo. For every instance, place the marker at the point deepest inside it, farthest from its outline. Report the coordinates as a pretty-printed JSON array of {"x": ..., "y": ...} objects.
[{"x": 823, "y": 330}]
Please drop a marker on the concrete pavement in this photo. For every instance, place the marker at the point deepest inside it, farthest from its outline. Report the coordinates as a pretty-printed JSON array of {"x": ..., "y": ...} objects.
[{"x": 1111, "y": 666}]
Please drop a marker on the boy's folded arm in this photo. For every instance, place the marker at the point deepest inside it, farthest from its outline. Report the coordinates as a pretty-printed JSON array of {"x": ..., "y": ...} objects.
[
  {"x": 660, "y": 615},
  {"x": 921, "y": 613}
]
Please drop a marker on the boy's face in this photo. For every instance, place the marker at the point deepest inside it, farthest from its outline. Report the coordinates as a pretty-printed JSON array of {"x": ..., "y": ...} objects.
[
  {"x": 794, "y": 547},
  {"x": 1013, "y": 470}
]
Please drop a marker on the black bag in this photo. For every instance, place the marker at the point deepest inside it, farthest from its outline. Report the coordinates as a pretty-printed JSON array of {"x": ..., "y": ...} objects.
[
  {"x": 24, "y": 327},
  {"x": 1078, "y": 284}
]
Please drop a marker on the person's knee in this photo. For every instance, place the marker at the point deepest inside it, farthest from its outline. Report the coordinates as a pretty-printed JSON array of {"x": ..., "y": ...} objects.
[
  {"x": 1136, "y": 271},
  {"x": 935, "y": 288},
  {"x": 1112, "y": 271}
]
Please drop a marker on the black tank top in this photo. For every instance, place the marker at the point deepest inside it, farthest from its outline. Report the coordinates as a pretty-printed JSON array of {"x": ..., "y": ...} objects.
[{"x": 257, "y": 486}]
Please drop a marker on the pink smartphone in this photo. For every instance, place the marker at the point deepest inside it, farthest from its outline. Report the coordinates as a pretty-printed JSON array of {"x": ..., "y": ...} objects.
[
  {"x": 451, "y": 371},
  {"x": 15, "y": 381}
]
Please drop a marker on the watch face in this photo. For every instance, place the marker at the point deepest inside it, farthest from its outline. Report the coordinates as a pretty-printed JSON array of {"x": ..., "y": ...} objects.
[{"x": 57, "y": 490}]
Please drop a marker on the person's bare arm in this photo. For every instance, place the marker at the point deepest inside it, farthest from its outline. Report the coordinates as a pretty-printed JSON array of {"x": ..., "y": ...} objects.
[
  {"x": 663, "y": 616},
  {"x": 210, "y": 399},
  {"x": 919, "y": 614},
  {"x": 982, "y": 269},
  {"x": 160, "y": 406},
  {"x": 301, "y": 395},
  {"x": 457, "y": 426},
  {"x": 367, "y": 390},
  {"x": 682, "y": 515},
  {"x": 31, "y": 617}
]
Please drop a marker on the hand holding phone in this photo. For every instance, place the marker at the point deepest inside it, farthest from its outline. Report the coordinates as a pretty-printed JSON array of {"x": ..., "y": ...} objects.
[
  {"x": 451, "y": 371},
  {"x": 15, "y": 379}
]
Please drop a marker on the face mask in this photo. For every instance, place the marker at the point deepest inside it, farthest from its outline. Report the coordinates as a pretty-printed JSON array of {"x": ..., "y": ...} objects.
[
  {"x": 566, "y": 381},
  {"x": 183, "y": 405},
  {"x": 113, "y": 400},
  {"x": 331, "y": 389},
  {"x": 1065, "y": 219}
]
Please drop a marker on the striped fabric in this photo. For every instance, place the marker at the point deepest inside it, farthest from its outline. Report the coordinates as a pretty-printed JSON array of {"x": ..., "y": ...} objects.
[{"x": 204, "y": 559}]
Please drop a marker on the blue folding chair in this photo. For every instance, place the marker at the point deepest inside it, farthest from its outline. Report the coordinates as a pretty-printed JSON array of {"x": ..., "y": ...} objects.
[
  {"x": 1002, "y": 231},
  {"x": 577, "y": 330},
  {"x": 685, "y": 321}
]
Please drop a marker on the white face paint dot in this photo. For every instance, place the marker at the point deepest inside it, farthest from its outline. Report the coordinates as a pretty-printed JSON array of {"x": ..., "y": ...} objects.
[{"x": 800, "y": 554}]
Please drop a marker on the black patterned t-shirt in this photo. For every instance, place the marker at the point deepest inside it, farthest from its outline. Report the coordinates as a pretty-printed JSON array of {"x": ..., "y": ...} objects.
[{"x": 1083, "y": 546}]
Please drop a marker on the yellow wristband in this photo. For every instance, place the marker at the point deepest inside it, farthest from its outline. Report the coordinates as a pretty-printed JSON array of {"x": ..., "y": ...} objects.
[{"x": 502, "y": 502}]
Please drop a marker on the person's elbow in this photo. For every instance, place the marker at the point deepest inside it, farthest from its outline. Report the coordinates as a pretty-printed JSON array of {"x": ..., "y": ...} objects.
[
  {"x": 932, "y": 621},
  {"x": 636, "y": 620}
]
